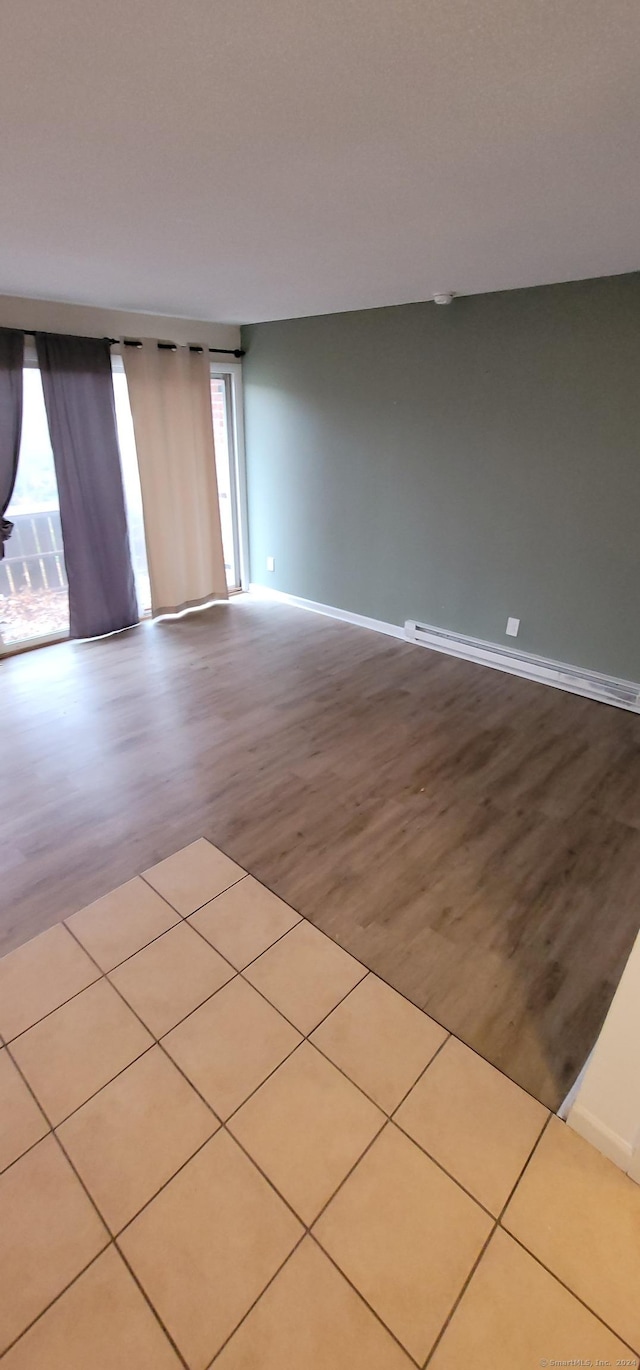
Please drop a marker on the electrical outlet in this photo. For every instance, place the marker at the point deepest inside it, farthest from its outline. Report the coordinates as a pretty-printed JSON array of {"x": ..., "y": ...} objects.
[
  {"x": 271, "y": 563},
  {"x": 512, "y": 627}
]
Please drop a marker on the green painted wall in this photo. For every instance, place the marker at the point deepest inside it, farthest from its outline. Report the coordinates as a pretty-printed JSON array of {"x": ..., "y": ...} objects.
[{"x": 457, "y": 465}]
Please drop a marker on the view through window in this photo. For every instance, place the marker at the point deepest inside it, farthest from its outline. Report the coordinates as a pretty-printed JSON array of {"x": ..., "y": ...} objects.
[
  {"x": 131, "y": 483},
  {"x": 34, "y": 599},
  {"x": 225, "y": 473},
  {"x": 34, "y": 596}
]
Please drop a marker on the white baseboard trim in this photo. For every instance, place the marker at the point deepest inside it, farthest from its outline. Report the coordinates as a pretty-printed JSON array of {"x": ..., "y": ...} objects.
[
  {"x": 391, "y": 629},
  {"x": 599, "y": 1135},
  {"x": 623, "y": 694}
]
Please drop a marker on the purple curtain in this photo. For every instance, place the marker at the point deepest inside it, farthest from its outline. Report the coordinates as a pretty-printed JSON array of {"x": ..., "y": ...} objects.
[
  {"x": 78, "y": 394},
  {"x": 11, "y": 360}
]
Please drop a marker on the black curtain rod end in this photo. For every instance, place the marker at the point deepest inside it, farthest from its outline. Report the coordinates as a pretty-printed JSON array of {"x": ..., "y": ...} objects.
[{"x": 172, "y": 347}]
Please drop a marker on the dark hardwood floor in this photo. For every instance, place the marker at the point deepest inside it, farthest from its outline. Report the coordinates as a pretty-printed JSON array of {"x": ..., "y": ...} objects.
[{"x": 472, "y": 837}]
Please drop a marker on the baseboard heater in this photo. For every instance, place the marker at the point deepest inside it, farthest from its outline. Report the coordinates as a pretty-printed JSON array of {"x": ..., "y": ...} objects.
[{"x": 624, "y": 694}]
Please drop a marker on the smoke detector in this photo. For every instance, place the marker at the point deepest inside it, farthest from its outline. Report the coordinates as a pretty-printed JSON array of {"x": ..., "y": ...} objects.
[{"x": 443, "y": 297}]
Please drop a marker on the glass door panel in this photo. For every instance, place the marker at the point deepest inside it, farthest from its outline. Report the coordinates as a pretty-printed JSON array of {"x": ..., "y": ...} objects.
[
  {"x": 34, "y": 598},
  {"x": 225, "y": 472}
]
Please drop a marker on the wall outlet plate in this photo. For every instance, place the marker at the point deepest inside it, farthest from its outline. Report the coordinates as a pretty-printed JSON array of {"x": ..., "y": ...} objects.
[
  {"x": 512, "y": 627},
  {"x": 271, "y": 563}
]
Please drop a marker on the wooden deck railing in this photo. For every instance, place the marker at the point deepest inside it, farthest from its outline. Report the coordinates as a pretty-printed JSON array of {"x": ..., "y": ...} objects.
[{"x": 33, "y": 558}]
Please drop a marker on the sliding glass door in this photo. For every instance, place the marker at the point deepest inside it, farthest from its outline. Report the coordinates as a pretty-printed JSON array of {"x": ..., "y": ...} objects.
[
  {"x": 227, "y": 472},
  {"x": 131, "y": 484},
  {"x": 34, "y": 598},
  {"x": 34, "y": 601}
]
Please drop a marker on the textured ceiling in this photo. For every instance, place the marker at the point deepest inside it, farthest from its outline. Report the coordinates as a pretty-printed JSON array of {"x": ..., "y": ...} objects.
[{"x": 269, "y": 158}]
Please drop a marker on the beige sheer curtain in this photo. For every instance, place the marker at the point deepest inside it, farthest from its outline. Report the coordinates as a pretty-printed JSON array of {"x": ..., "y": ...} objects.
[{"x": 171, "y": 407}]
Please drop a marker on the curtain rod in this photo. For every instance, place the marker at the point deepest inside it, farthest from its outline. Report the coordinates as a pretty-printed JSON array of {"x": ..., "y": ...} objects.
[
  {"x": 137, "y": 342},
  {"x": 171, "y": 347}
]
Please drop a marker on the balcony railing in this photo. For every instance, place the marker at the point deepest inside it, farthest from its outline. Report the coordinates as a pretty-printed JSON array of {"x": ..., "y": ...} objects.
[
  {"x": 33, "y": 557},
  {"x": 33, "y": 579}
]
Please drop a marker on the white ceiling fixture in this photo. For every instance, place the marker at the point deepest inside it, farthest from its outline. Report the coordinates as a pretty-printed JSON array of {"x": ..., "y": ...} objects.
[{"x": 253, "y": 161}]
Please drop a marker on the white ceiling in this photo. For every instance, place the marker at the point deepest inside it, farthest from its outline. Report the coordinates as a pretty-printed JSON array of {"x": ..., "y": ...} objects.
[{"x": 258, "y": 159}]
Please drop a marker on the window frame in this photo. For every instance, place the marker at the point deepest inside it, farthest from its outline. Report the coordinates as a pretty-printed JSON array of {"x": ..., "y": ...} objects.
[
  {"x": 232, "y": 373},
  {"x": 31, "y": 644}
]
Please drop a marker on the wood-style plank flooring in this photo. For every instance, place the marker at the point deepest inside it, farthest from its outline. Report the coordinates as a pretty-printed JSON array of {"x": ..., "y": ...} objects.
[{"x": 472, "y": 837}]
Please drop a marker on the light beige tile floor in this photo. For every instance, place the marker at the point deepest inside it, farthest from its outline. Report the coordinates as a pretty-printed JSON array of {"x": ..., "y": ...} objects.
[
  {"x": 223, "y": 1141},
  {"x": 461, "y": 1091},
  {"x": 21, "y": 1121},
  {"x": 170, "y": 978},
  {"x": 122, "y": 923},
  {"x": 244, "y": 920}
]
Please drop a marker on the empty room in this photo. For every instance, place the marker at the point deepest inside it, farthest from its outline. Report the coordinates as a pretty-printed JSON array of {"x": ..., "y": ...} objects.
[{"x": 319, "y": 685}]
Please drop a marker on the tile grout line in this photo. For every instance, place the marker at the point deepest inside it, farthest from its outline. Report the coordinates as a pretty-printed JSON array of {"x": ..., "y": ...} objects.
[
  {"x": 185, "y": 1016},
  {"x": 308, "y": 1232},
  {"x": 143, "y": 876},
  {"x": 303, "y": 917},
  {"x": 222, "y": 1126},
  {"x": 387, "y": 1120},
  {"x": 369, "y": 968},
  {"x": 386, "y": 982},
  {"x": 525, "y": 1167},
  {"x": 109, "y": 969},
  {"x": 64, "y": 923},
  {"x": 9, "y": 1040},
  {"x": 420, "y": 1076},
  {"x": 256, "y": 1301},
  {"x": 496, "y": 1225},
  {"x": 443, "y": 1169},
  {"x": 240, "y": 969},
  {"x": 307, "y": 1226},
  {"x": 247, "y": 874},
  {"x": 110, "y": 1242},
  {"x": 151, "y": 1306},
  {"x": 258, "y": 1167},
  {"x": 10, "y": 1345},
  {"x": 305, "y": 1037},
  {"x": 223, "y": 1123},
  {"x": 67, "y": 1116},
  {"x": 160, "y": 1041},
  {"x": 461, "y": 1293},
  {"x": 343, "y": 1181},
  {"x": 32, "y": 1145},
  {"x": 456, "y": 1038},
  {"x": 115, "y": 1236},
  {"x": 390, "y": 1117},
  {"x": 578, "y": 1297},
  {"x": 365, "y": 1301},
  {"x": 185, "y": 919}
]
